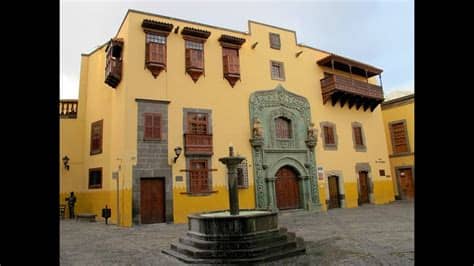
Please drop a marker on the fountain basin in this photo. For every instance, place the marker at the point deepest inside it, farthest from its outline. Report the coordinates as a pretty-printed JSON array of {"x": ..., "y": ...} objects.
[
  {"x": 251, "y": 236},
  {"x": 220, "y": 224}
]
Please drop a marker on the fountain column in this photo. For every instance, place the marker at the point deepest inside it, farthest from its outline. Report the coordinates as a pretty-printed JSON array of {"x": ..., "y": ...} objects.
[{"x": 231, "y": 163}]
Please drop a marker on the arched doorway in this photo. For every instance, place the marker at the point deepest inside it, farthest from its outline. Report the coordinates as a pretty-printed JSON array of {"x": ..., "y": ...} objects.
[{"x": 287, "y": 189}]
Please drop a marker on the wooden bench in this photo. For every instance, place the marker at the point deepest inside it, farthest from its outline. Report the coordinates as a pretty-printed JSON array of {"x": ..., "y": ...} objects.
[{"x": 87, "y": 216}]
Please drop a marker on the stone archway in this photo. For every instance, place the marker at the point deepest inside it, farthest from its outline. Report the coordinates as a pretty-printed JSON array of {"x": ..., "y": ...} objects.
[{"x": 272, "y": 151}]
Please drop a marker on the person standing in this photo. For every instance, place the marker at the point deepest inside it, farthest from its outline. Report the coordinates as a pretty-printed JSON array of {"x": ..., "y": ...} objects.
[{"x": 71, "y": 201}]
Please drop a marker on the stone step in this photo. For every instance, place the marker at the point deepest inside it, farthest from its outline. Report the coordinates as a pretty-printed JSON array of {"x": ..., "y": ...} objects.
[
  {"x": 234, "y": 244},
  {"x": 233, "y": 253},
  {"x": 265, "y": 258},
  {"x": 256, "y": 235}
]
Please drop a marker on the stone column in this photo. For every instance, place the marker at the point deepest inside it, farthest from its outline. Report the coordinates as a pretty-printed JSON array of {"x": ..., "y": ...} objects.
[
  {"x": 231, "y": 162},
  {"x": 272, "y": 204},
  {"x": 304, "y": 180}
]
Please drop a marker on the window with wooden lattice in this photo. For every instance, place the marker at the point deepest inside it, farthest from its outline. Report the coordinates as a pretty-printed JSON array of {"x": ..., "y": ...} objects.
[
  {"x": 198, "y": 123},
  {"x": 283, "y": 128},
  {"x": 399, "y": 137},
  {"x": 96, "y": 137},
  {"x": 194, "y": 58},
  {"x": 152, "y": 126},
  {"x": 155, "y": 53},
  {"x": 198, "y": 176}
]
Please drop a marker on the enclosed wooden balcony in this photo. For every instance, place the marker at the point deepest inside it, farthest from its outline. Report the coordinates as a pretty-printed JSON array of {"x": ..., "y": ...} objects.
[
  {"x": 346, "y": 90},
  {"x": 194, "y": 63},
  {"x": 197, "y": 144},
  {"x": 113, "y": 67},
  {"x": 155, "y": 59},
  {"x": 231, "y": 69},
  {"x": 68, "y": 109},
  {"x": 338, "y": 88}
]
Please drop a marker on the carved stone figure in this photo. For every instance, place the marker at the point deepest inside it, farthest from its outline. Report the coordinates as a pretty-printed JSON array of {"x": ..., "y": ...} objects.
[
  {"x": 312, "y": 131},
  {"x": 257, "y": 129}
]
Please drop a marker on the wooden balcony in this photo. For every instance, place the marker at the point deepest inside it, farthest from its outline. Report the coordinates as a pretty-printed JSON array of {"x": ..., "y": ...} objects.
[
  {"x": 113, "y": 72},
  {"x": 68, "y": 109},
  {"x": 197, "y": 144},
  {"x": 113, "y": 67},
  {"x": 231, "y": 69},
  {"x": 155, "y": 58},
  {"x": 341, "y": 89}
]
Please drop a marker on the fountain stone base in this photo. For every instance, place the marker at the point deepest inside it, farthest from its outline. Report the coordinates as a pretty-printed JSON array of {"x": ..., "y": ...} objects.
[{"x": 220, "y": 238}]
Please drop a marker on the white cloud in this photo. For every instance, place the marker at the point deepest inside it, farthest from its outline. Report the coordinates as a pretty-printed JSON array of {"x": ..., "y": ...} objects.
[
  {"x": 400, "y": 90},
  {"x": 406, "y": 86}
]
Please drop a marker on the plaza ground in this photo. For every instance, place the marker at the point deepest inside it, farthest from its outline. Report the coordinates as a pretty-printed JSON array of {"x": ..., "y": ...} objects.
[{"x": 368, "y": 235}]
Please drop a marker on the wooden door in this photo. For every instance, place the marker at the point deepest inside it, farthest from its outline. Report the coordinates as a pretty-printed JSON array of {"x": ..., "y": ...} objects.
[
  {"x": 287, "y": 189},
  {"x": 364, "y": 187},
  {"x": 152, "y": 200},
  {"x": 407, "y": 188},
  {"x": 333, "y": 184}
]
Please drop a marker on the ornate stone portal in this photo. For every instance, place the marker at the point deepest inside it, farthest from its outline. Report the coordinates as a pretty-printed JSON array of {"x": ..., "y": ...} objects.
[{"x": 271, "y": 153}]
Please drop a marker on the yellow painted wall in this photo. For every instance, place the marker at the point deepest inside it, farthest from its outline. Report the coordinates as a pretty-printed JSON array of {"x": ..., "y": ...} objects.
[
  {"x": 97, "y": 101},
  {"x": 230, "y": 111},
  {"x": 395, "y": 113}
]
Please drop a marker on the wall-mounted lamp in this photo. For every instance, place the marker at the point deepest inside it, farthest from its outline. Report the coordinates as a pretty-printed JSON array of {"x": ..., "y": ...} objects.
[
  {"x": 298, "y": 53},
  {"x": 254, "y": 45},
  {"x": 66, "y": 162},
  {"x": 176, "y": 30},
  {"x": 177, "y": 151}
]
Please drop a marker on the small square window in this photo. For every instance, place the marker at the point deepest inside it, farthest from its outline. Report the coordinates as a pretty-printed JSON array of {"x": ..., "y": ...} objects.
[
  {"x": 275, "y": 41},
  {"x": 382, "y": 172},
  {"x": 277, "y": 70},
  {"x": 95, "y": 178}
]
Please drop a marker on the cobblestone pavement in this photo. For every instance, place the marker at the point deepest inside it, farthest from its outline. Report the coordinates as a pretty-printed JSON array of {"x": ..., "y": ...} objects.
[{"x": 368, "y": 235}]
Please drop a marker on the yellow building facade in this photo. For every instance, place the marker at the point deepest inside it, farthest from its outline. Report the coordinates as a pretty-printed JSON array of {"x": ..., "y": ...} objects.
[
  {"x": 399, "y": 122},
  {"x": 308, "y": 122}
]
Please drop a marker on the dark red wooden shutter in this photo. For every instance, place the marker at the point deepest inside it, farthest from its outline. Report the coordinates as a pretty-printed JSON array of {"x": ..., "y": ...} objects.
[
  {"x": 400, "y": 142},
  {"x": 156, "y": 127},
  {"x": 96, "y": 137},
  {"x": 148, "y": 126},
  {"x": 199, "y": 176},
  {"x": 358, "y": 136},
  {"x": 283, "y": 128},
  {"x": 156, "y": 53},
  {"x": 329, "y": 135}
]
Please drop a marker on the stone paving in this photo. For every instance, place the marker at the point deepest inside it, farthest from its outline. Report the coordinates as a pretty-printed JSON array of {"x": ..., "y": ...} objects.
[{"x": 368, "y": 235}]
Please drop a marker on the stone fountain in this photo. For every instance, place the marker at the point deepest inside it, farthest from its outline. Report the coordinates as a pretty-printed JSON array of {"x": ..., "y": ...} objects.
[{"x": 235, "y": 236}]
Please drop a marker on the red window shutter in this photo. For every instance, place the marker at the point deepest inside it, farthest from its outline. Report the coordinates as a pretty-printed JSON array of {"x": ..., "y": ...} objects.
[
  {"x": 197, "y": 58},
  {"x": 283, "y": 128},
  {"x": 199, "y": 176},
  {"x": 148, "y": 126},
  {"x": 156, "y": 127},
  {"x": 96, "y": 137},
  {"x": 358, "y": 136},
  {"x": 400, "y": 143},
  {"x": 194, "y": 58},
  {"x": 235, "y": 65},
  {"x": 156, "y": 53},
  {"x": 231, "y": 61},
  {"x": 329, "y": 135}
]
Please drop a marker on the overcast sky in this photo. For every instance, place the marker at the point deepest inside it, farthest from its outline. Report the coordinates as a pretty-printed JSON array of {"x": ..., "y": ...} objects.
[{"x": 380, "y": 33}]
